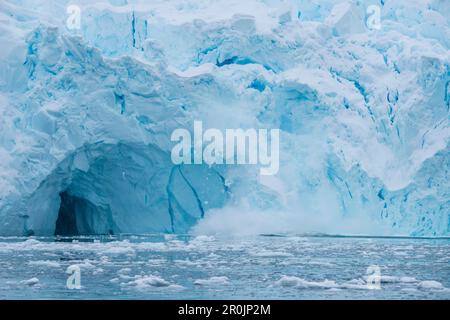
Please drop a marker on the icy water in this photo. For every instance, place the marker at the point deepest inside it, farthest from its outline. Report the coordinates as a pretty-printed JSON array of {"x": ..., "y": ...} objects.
[{"x": 263, "y": 267}]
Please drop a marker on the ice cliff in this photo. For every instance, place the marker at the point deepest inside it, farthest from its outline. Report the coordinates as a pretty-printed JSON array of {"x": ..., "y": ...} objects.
[{"x": 86, "y": 116}]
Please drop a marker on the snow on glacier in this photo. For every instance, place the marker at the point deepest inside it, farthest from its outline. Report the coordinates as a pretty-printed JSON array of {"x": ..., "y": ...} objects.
[{"x": 86, "y": 116}]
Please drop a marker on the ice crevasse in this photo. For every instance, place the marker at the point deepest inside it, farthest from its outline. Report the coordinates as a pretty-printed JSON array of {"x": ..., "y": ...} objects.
[{"x": 86, "y": 116}]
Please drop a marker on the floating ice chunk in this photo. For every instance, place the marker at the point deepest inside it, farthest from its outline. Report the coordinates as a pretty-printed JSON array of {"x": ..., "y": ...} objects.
[
  {"x": 213, "y": 281},
  {"x": 153, "y": 281},
  {"x": 143, "y": 282},
  {"x": 114, "y": 280},
  {"x": 291, "y": 281},
  {"x": 431, "y": 285},
  {"x": 408, "y": 279},
  {"x": 124, "y": 270},
  {"x": 98, "y": 271},
  {"x": 357, "y": 284},
  {"x": 287, "y": 281},
  {"x": 30, "y": 282}
]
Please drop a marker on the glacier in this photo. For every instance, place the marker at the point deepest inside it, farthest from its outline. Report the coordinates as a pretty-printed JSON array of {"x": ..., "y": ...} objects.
[{"x": 87, "y": 114}]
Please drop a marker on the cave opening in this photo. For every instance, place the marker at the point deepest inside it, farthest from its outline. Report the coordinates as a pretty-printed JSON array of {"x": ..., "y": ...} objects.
[
  {"x": 66, "y": 223},
  {"x": 78, "y": 216}
]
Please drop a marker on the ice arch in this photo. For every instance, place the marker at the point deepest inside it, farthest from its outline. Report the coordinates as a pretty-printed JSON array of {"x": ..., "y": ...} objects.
[{"x": 121, "y": 188}]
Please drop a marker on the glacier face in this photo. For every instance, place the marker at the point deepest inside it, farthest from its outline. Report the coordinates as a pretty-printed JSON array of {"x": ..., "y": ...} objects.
[{"x": 87, "y": 114}]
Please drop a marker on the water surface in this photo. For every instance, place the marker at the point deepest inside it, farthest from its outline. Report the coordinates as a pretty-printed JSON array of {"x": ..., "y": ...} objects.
[{"x": 263, "y": 267}]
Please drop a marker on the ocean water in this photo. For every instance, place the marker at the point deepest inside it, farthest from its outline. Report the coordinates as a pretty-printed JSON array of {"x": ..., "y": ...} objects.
[{"x": 262, "y": 267}]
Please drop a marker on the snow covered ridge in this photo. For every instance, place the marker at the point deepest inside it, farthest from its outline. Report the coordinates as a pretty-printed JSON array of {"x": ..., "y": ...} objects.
[{"x": 87, "y": 114}]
